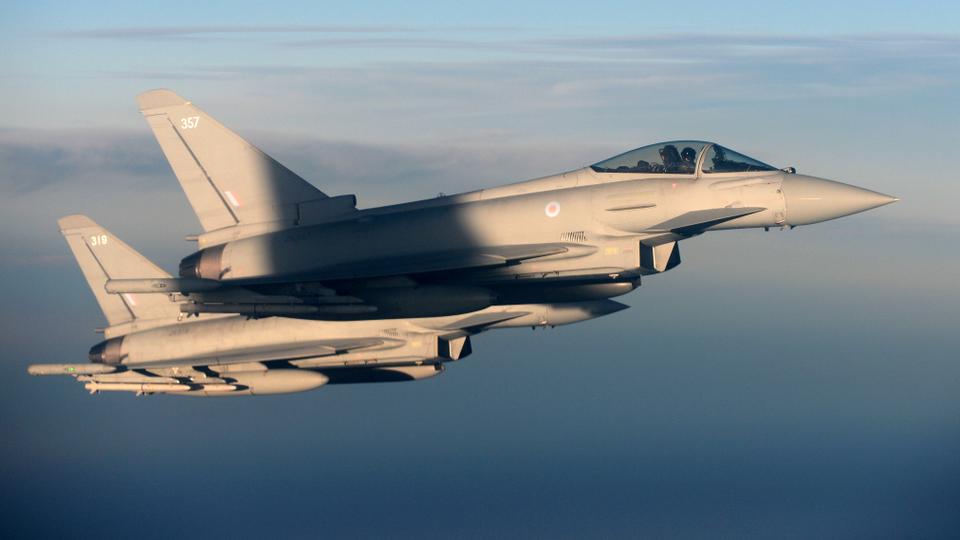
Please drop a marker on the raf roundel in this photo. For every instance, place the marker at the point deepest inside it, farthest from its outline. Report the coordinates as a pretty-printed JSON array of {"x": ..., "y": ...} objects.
[{"x": 552, "y": 209}]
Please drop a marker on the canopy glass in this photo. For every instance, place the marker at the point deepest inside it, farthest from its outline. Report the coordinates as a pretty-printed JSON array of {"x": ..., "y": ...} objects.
[{"x": 680, "y": 157}]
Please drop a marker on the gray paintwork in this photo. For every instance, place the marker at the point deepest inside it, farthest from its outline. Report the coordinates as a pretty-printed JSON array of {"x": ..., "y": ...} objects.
[{"x": 291, "y": 289}]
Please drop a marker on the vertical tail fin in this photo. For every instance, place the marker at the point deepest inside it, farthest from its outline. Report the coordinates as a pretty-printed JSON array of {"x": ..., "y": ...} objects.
[
  {"x": 102, "y": 256},
  {"x": 228, "y": 181}
]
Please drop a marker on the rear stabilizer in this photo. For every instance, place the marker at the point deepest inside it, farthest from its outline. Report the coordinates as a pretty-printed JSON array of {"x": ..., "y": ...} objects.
[
  {"x": 101, "y": 257},
  {"x": 230, "y": 183}
]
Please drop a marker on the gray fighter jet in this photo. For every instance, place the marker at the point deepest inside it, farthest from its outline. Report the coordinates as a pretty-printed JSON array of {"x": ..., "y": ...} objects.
[{"x": 291, "y": 289}]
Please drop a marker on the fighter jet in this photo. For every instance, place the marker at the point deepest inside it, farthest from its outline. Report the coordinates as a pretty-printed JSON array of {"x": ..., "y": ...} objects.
[{"x": 291, "y": 289}]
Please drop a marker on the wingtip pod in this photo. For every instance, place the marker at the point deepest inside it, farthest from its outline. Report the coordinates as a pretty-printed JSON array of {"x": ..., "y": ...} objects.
[
  {"x": 70, "y": 369},
  {"x": 158, "y": 99}
]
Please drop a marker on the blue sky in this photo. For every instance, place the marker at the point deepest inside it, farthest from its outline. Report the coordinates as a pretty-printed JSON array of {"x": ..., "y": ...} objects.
[
  {"x": 835, "y": 90},
  {"x": 784, "y": 384}
]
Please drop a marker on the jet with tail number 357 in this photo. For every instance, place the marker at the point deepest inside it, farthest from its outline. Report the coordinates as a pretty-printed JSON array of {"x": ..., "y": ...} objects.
[{"x": 291, "y": 289}]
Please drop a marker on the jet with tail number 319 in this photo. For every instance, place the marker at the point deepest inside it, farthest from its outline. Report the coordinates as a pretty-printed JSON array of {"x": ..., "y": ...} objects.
[{"x": 291, "y": 289}]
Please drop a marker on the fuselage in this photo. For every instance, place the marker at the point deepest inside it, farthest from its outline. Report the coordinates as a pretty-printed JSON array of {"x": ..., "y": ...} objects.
[{"x": 600, "y": 218}]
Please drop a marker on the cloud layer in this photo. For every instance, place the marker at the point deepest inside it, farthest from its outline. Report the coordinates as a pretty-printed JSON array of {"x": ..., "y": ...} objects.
[{"x": 775, "y": 384}]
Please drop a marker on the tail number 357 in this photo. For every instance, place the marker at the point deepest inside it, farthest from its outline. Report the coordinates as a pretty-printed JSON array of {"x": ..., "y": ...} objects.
[{"x": 189, "y": 122}]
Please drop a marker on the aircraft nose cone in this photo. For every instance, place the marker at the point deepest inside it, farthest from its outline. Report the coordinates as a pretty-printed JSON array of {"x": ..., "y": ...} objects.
[{"x": 811, "y": 200}]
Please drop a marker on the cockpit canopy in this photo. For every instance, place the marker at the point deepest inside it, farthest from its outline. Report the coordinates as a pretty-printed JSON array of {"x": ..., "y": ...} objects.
[{"x": 681, "y": 157}]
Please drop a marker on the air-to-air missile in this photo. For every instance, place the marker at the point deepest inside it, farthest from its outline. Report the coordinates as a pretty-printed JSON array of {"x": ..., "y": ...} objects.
[{"x": 291, "y": 289}]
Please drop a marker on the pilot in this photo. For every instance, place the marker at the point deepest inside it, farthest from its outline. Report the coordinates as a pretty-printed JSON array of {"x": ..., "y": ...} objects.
[
  {"x": 643, "y": 166},
  {"x": 720, "y": 159},
  {"x": 688, "y": 160},
  {"x": 671, "y": 158}
]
